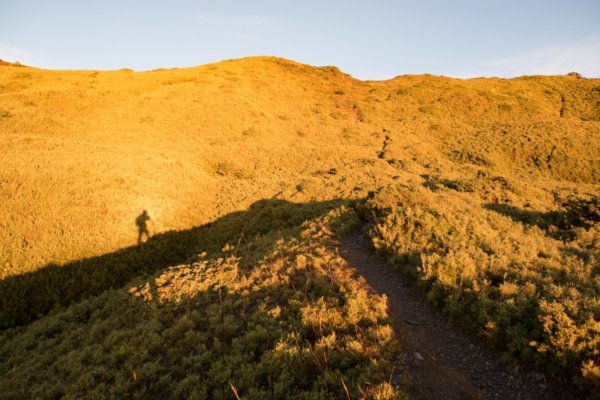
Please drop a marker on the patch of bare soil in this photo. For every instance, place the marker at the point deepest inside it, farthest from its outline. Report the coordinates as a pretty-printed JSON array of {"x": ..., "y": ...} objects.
[{"x": 442, "y": 362}]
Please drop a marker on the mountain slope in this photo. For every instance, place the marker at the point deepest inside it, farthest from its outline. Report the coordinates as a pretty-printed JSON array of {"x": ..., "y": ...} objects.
[
  {"x": 280, "y": 316},
  {"x": 485, "y": 190},
  {"x": 83, "y": 152}
]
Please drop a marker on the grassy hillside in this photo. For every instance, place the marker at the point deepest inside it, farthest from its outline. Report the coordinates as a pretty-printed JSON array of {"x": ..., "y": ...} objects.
[
  {"x": 83, "y": 152},
  {"x": 485, "y": 189},
  {"x": 275, "y": 315}
]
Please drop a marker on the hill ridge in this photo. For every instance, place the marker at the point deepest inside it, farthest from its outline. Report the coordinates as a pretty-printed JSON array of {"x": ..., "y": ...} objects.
[{"x": 278, "y": 59}]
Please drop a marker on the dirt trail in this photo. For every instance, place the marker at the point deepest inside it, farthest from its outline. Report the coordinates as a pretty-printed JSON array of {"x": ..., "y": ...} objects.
[{"x": 442, "y": 362}]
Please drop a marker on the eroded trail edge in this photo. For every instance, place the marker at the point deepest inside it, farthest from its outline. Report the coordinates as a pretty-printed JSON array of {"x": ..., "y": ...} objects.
[{"x": 441, "y": 361}]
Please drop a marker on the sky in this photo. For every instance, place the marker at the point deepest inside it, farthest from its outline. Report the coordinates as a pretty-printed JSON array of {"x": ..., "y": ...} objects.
[{"x": 370, "y": 39}]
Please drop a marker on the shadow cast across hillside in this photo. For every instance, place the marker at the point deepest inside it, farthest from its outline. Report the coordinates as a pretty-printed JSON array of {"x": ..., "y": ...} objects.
[
  {"x": 559, "y": 225},
  {"x": 540, "y": 219},
  {"x": 556, "y": 224},
  {"x": 266, "y": 316},
  {"x": 576, "y": 213},
  {"x": 26, "y": 297}
]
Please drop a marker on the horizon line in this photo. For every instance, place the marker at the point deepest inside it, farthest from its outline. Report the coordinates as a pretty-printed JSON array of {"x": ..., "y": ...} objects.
[{"x": 16, "y": 63}]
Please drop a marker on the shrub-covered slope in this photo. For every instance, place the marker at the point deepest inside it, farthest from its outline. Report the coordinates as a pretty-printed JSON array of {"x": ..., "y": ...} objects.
[
  {"x": 273, "y": 315},
  {"x": 527, "y": 281}
]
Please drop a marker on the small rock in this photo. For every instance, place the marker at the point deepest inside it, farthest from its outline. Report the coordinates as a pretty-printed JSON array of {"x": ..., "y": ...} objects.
[
  {"x": 418, "y": 357},
  {"x": 537, "y": 376},
  {"x": 404, "y": 358}
]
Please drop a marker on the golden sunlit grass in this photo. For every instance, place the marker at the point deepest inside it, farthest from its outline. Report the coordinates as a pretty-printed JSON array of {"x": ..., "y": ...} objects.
[
  {"x": 83, "y": 152},
  {"x": 482, "y": 188}
]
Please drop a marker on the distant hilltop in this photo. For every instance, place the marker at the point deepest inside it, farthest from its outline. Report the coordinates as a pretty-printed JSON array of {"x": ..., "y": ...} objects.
[{"x": 334, "y": 68}]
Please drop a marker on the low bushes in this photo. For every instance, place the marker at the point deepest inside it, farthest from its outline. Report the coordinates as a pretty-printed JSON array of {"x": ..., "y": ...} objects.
[{"x": 533, "y": 296}]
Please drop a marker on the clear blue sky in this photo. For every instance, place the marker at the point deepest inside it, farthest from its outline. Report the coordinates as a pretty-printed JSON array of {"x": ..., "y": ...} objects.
[{"x": 369, "y": 39}]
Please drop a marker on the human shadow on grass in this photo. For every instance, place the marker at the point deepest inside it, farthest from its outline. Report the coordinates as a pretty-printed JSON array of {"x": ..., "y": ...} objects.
[
  {"x": 142, "y": 224},
  {"x": 28, "y": 296}
]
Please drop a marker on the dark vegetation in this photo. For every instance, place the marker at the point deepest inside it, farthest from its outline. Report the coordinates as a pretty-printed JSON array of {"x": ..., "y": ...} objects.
[{"x": 28, "y": 296}]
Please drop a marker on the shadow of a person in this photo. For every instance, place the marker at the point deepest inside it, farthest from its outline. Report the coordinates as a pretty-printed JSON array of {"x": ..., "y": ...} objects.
[{"x": 142, "y": 223}]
